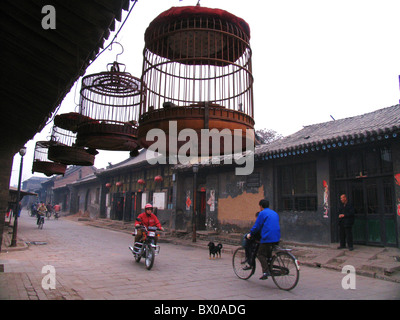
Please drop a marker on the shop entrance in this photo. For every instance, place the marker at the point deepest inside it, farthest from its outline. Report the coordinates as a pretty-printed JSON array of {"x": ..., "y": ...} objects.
[
  {"x": 118, "y": 207},
  {"x": 365, "y": 175},
  {"x": 375, "y": 210}
]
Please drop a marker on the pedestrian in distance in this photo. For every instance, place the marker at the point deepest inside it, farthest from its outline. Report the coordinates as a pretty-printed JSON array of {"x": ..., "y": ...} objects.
[
  {"x": 49, "y": 208},
  {"x": 56, "y": 210},
  {"x": 346, "y": 221},
  {"x": 41, "y": 211}
]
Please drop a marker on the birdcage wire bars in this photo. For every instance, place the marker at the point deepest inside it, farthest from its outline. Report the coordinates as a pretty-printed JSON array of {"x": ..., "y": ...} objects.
[
  {"x": 110, "y": 107},
  {"x": 63, "y": 149},
  {"x": 196, "y": 61},
  {"x": 41, "y": 162}
]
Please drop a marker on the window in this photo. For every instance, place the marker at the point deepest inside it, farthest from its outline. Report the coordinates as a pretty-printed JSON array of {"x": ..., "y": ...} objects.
[
  {"x": 170, "y": 198},
  {"x": 97, "y": 199},
  {"x": 386, "y": 159},
  {"x": 388, "y": 192},
  {"x": 298, "y": 187},
  {"x": 363, "y": 162}
]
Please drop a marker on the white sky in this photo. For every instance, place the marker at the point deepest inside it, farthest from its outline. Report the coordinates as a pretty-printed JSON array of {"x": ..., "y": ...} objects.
[{"x": 311, "y": 59}]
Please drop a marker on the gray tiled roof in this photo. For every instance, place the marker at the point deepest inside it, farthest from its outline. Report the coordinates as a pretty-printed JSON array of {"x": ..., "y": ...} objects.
[
  {"x": 379, "y": 123},
  {"x": 374, "y": 124},
  {"x": 141, "y": 159}
]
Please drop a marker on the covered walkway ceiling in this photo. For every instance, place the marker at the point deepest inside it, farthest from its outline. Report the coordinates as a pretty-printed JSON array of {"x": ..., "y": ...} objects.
[{"x": 38, "y": 66}]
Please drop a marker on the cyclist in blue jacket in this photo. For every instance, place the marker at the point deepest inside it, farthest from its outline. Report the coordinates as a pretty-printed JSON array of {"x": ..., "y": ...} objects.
[{"x": 267, "y": 224}]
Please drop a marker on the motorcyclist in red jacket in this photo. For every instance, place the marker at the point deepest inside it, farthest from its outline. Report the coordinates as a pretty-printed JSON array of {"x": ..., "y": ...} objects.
[{"x": 147, "y": 219}]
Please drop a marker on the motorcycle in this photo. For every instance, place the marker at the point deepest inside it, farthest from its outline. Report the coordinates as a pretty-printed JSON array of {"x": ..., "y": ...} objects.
[{"x": 146, "y": 248}]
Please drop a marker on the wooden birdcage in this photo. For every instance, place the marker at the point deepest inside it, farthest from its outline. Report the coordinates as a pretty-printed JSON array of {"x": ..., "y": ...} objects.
[
  {"x": 62, "y": 149},
  {"x": 69, "y": 121},
  {"x": 197, "y": 72},
  {"x": 41, "y": 162},
  {"x": 109, "y": 108}
]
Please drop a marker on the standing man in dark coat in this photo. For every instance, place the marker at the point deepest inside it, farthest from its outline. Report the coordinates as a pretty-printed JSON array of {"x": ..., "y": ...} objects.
[{"x": 346, "y": 221}]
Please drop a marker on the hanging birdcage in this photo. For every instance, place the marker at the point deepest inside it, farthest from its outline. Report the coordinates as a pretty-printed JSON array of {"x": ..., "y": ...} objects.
[
  {"x": 109, "y": 108},
  {"x": 42, "y": 164},
  {"x": 197, "y": 71},
  {"x": 69, "y": 121},
  {"x": 62, "y": 149}
]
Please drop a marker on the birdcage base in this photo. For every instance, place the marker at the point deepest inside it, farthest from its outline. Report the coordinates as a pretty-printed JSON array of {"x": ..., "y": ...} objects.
[
  {"x": 71, "y": 155},
  {"x": 70, "y": 121},
  {"x": 103, "y": 136},
  {"x": 48, "y": 168},
  {"x": 218, "y": 122}
]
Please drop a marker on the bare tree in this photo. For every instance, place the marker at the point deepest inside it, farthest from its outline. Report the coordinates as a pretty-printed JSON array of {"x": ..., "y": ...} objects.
[{"x": 267, "y": 135}]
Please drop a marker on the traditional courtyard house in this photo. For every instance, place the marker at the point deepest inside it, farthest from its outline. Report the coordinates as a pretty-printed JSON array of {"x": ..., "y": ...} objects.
[
  {"x": 303, "y": 176},
  {"x": 46, "y": 194},
  {"x": 127, "y": 186},
  {"x": 62, "y": 190},
  {"x": 85, "y": 193},
  {"x": 33, "y": 184},
  {"x": 224, "y": 201}
]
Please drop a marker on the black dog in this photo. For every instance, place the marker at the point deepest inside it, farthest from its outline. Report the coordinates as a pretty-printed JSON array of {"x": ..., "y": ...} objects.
[{"x": 214, "y": 249}]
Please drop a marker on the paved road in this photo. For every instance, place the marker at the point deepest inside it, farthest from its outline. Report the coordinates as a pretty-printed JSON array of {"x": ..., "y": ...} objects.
[{"x": 94, "y": 263}]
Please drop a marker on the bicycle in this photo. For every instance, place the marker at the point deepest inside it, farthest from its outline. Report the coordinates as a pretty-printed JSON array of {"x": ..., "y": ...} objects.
[
  {"x": 284, "y": 267},
  {"x": 41, "y": 222}
]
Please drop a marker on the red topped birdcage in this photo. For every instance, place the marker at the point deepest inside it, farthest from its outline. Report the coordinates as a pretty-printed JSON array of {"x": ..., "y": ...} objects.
[
  {"x": 63, "y": 148},
  {"x": 109, "y": 108},
  {"x": 197, "y": 72},
  {"x": 41, "y": 162}
]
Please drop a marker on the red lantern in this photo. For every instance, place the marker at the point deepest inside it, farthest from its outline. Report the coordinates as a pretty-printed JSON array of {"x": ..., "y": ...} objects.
[
  {"x": 108, "y": 185},
  {"x": 119, "y": 184},
  {"x": 158, "y": 178},
  {"x": 141, "y": 181}
]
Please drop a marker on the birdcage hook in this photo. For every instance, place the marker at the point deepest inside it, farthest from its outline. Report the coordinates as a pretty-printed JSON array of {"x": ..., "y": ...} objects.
[
  {"x": 122, "y": 49},
  {"x": 116, "y": 66}
]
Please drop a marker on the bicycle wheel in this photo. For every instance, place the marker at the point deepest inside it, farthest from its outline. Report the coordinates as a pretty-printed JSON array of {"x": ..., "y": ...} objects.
[
  {"x": 238, "y": 264},
  {"x": 285, "y": 271},
  {"x": 149, "y": 258}
]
